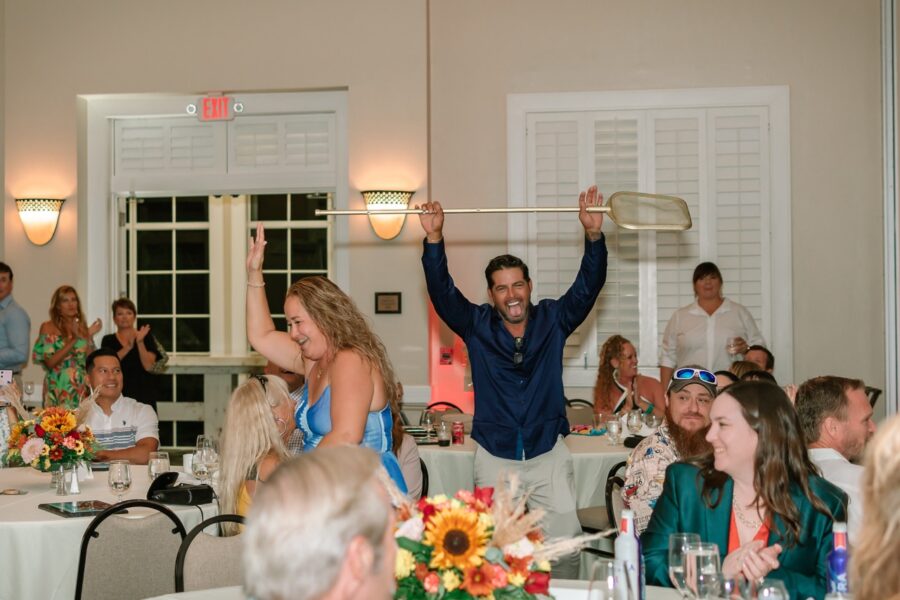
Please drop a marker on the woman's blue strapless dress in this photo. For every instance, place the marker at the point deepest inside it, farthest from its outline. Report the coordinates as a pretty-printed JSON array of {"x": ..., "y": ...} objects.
[{"x": 315, "y": 422}]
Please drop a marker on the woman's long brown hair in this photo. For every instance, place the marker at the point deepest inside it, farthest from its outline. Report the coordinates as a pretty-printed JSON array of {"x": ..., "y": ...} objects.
[
  {"x": 612, "y": 348},
  {"x": 781, "y": 459},
  {"x": 56, "y": 316}
]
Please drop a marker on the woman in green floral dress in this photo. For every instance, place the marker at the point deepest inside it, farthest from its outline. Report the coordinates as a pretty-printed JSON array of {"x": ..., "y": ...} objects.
[{"x": 62, "y": 346}]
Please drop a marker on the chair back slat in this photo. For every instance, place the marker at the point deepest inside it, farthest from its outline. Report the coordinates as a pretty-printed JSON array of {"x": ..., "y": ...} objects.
[{"x": 207, "y": 561}]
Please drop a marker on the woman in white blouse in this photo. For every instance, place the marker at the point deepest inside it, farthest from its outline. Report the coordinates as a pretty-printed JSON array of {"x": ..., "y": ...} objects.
[{"x": 711, "y": 331}]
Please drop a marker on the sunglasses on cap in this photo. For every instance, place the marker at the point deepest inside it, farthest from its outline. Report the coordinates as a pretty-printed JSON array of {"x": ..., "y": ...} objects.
[{"x": 689, "y": 373}]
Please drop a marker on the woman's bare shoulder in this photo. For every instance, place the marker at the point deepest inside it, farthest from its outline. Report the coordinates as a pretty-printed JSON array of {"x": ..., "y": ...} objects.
[
  {"x": 49, "y": 328},
  {"x": 267, "y": 465}
]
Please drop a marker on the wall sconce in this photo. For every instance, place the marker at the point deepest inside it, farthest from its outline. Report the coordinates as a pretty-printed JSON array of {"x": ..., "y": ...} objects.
[
  {"x": 39, "y": 218},
  {"x": 387, "y": 227}
]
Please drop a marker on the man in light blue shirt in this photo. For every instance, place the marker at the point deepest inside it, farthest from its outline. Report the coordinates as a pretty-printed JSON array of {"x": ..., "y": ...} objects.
[{"x": 15, "y": 326}]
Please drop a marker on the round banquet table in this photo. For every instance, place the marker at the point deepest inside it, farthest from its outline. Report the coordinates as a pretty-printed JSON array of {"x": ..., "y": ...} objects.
[
  {"x": 39, "y": 549},
  {"x": 561, "y": 589},
  {"x": 452, "y": 468}
]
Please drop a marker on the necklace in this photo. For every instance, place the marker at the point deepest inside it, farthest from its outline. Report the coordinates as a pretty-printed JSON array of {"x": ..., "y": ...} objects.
[
  {"x": 746, "y": 522},
  {"x": 320, "y": 370}
]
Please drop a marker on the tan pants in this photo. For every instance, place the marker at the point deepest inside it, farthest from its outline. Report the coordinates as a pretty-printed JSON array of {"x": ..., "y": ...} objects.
[{"x": 550, "y": 480}]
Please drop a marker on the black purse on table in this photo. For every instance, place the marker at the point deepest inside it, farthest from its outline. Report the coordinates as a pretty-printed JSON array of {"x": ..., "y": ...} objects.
[{"x": 165, "y": 490}]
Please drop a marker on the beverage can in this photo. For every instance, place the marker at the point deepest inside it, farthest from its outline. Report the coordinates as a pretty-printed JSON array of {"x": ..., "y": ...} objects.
[
  {"x": 838, "y": 561},
  {"x": 458, "y": 432}
]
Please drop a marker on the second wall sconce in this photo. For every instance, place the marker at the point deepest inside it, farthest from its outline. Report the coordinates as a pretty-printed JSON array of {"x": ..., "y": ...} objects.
[
  {"x": 39, "y": 217},
  {"x": 387, "y": 227}
]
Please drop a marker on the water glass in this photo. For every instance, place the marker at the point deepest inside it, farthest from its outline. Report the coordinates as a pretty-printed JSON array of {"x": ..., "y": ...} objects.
[
  {"x": 602, "y": 584},
  {"x": 428, "y": 419},
  {"x": 702, "y": 572},
  {"x": 772, "y": 589},
  {"x": 158, "y": 464},
  {"x": 733, "y": 346},
  {"x": 443, "y": 434},
  {"x": 734, "y": 588},
  {"x": 678, "y": 545},
  {"x": 634, "y": 422},
  {"x": 599, "y": 421},
  {"x": 119, "y": 478},
  {"x": 651, "y": 420},
  {"x": 613, "y": 429}
]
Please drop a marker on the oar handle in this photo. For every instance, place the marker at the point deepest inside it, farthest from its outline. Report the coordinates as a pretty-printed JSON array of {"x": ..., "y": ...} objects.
[{"x": 419, "y": 211}]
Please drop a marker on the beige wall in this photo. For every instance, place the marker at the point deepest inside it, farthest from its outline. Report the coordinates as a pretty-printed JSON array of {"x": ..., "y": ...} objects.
[{"x": 827, "y": 51}]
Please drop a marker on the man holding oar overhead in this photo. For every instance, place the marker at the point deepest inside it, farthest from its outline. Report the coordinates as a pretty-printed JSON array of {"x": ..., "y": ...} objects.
[{"x": 515, "y": 350}]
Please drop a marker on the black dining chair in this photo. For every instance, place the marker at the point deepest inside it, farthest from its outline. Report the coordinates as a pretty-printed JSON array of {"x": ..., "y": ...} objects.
[
  {"x": 595, "y": 519},
  {"x": 208, "y": 561},
  {"x": 578, "y": 402}
]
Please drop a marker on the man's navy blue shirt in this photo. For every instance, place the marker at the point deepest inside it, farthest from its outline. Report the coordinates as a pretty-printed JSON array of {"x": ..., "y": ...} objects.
[{"x": 520, "y": 410}]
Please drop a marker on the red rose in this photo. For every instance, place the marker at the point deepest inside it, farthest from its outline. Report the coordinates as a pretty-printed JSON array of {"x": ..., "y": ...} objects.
[
  {"x": 538, "y": 583},
  {"x": 428, "y": 511},
  {"x": 74, "y": 435},
  {"x": 485, "y": 495},
  {"x": 421, "y": 571},
  {"x": 39, "y": 431}
]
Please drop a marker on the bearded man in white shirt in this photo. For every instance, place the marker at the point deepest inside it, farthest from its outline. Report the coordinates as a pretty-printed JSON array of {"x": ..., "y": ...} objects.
[
  {"x": 837, "y": 422},
  {"x": 125, "y": 428}
]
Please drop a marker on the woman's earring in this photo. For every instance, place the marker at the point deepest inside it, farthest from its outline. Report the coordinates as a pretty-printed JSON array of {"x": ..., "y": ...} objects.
[{"x": 282, "y": 425}]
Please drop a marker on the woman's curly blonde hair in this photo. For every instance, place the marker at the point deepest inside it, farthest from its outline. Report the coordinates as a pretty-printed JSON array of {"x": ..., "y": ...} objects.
[{"x": 345, "y": 328}]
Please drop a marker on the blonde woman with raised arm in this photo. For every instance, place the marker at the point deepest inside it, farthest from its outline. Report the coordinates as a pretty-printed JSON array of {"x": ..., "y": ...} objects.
[{"x": 350, "y": 383}]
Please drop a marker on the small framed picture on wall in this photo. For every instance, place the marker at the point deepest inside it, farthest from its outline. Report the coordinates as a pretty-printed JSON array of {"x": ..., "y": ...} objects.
[{"x": 388, "y": 303}]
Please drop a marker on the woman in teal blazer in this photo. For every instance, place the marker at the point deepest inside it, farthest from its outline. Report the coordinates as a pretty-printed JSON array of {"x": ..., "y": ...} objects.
[{"x": 756, "y": 495}]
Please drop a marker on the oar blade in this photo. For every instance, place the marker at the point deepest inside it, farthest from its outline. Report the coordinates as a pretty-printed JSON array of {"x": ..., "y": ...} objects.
[{"x": 657, "y": 212}]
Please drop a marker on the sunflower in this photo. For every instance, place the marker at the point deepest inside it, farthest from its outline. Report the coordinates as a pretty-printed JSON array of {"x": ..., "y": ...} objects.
[
  {"x": 58, "y": 421},
  {"x": 459, "y": 539}
]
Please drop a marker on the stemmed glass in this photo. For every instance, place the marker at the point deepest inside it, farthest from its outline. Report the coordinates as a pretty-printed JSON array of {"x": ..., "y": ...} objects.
[
  {"x": 119, "y": 477},
  {"x": 602, "y": 585},
  {"x": 158, "y": 464},
  {"x": 772, "y": 589},
  {"x": 702, "y": 572},
  {"x": 678, "y": 545},
  {"x": 428, "y": 423},
  {"x": 613, "y": 428},
  {"x": 634, "y": 422},
  {"x": 204, "y": 457}
]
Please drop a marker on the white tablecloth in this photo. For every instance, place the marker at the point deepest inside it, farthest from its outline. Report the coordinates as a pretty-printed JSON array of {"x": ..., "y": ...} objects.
[
  {"x": 39, "y": 550},
  {"x": 561, "y": 589},
  {"x": 452, "y": 468}
]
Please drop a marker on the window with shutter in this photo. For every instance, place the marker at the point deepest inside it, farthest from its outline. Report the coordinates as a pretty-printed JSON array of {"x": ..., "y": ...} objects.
[{"x": 712, "y": 148}]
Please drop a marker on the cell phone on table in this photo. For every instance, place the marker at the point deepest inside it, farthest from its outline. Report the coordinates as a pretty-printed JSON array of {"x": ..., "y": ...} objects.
[{"x": 6, "y": 377}]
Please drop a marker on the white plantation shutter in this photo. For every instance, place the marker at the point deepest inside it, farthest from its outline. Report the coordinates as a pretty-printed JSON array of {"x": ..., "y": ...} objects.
[
  {"x": 282, "y": 143},
  {"x": 716, "y": 158},
  {"x": 739, "y": 183},
  {"x": 616, "y": 167},
  {"x": 677, "y": 158},
  {"x": 148, "y": 146}
]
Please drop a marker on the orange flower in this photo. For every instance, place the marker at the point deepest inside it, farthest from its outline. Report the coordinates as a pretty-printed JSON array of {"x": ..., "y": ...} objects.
[{"x": 478, "y": 581}]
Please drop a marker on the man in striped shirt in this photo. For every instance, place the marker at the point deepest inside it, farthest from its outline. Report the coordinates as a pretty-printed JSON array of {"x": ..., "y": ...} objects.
[{"x": 124, "y": 428}]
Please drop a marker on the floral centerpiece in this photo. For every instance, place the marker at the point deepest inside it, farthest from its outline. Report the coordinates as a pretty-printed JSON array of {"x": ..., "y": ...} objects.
[
  {"x": 475, "y": 546},
  {"x": 51, "y": 439}
]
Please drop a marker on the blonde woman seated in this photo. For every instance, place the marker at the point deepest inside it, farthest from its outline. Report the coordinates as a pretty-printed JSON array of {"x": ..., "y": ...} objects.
[
  {"x": 619, "y": 387},
  {"x": 258, "y": 423},
  {"x": 350, "y": 384}
]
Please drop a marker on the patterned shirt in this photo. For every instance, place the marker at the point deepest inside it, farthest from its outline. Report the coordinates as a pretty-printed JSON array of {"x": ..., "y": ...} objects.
[
  {"x": 645, "y": 474},
  {"x": 128, "y": 422}
]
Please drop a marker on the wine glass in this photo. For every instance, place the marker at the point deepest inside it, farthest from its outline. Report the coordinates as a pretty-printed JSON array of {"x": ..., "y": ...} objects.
[
  {"x": 651, "y": 420},
  {"x": 634, "y": 422},
  {"x": 772, "y": 589},
  {"x": 613, "y": 428},
  {"x": 158, "y": 463},
  {"x": 702, "y": 572},
  {"x": 678, "y": 545},
  {"x": 119, "y": 477},
  {"x": 428, "y": 423},
  {"x": 202, "y": 457},
  {"x": 734, "y": 588},
  {"x": 602, "y": 584}
]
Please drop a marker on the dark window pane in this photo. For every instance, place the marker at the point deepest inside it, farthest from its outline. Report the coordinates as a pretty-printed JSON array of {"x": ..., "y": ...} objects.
[
  {"x": 189, "y": 388},
  {"x": 192, "y": 294},
  {"x": 276, "y": 288},
  {"x": 280, "y": 324},
  {"x": 154, "y": 295},
  {"x": 295, "y": 277},
  {"x": 276, "y": 248},
  {"x": 164, "y": 382},
  {"x": 268, "y": 207},
  {"x": 192, "y": 335},
  {"x": 309, "y": 249},
  {"x": 191, "y": 209},
  {"x": 166, "y": 434},
  {"x": 192, "y": 249},
  {"x": 161, "y": 329},
  {"x": 303, "y": 206},
  {"x": 187, "y": 433},
  {"x": 154, "y": 210},
  {"x": 154, "y": 250}
]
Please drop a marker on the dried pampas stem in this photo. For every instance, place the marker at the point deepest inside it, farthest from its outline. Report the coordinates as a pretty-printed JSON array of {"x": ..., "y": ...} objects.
[
  {"x": 84, "y": 408},
  {"x": 13, "y": 397},
  {"x": 556, "y": 548}
]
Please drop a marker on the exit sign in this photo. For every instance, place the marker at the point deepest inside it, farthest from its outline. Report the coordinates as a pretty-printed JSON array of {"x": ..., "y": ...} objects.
[{"x": 215, "y": 108}]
